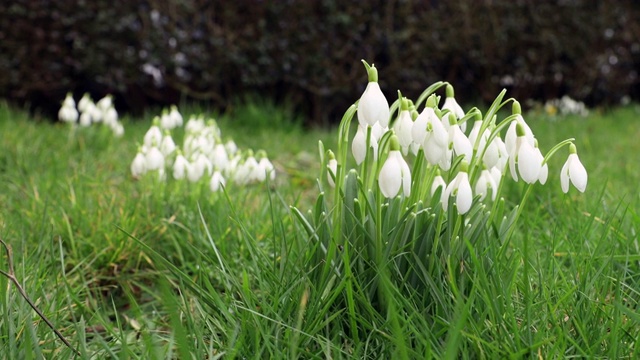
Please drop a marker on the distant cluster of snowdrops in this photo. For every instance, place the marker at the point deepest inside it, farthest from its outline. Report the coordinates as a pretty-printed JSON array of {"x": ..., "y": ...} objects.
[
  {"x": 88, "y": 113},
  {"x": 203, "y": 156}
]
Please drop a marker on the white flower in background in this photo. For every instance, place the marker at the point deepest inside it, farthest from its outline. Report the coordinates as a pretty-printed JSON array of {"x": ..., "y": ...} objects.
[
  {"x": 219, "y": 157},
  {"x": 395, "y": 172},
  {"x": 198, "y": 167},
  {"x": 105, "y": 103},
  {"x": 231, "y": 147},
  {"x": 373, "y": 106},
  {"x": 110, "y": 117},
  {"x": 573, "y": 171},
  {"x": 460, "y": 189},
  {"x": 438, "y": 182},
  {"x": 166, "y": 122},
  {"x": 404, "y": 125},
  {"x": 84, "y": 103},
  {"x": 153, "y": 136},
  {"x": 194, "y": 125},
  {"x": 176, "y": 117},
  {"x": 94, "y": 112},
  {"x": 512, "y": 135},
  {"x": 139, "y": 164},
  {"x": 452, "y": 105},
  {"x": 167, "y": 145},
  {"x": 496, "y": 173},
  {"x": 377, "y": 130},
  {"x": 359, "y": 145},
  {"x": 85, "y": 119},
  {"x": 485, "y": 182},
  {"x": 118, "y": 129},
  {"x": 154, "y": 159},
  {"x": 180, "y": 166},
  {"x": 503, "y": 155},
  {"x": 332, "y": 168},
  {"x": 266, "y": 168},
  {"x": 68, "y": 112},
  {"x": 217, "y": 181},
  {"x": 458, "y": 141},
  {"x": 527, "y": 160}
]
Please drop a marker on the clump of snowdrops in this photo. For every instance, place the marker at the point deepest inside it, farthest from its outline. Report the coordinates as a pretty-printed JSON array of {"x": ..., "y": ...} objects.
[
  {"x": 202, "y": 158},
  {"x": 88, "y": 113},
  {"x": 415, "y": 196}
]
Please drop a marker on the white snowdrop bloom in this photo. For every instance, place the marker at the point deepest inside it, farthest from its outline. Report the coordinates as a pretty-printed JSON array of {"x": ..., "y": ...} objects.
[
  {"x": 503, "y": 155},
  {"x": 219, "y": 157},
  {"x": 176, "y": 117},
  {"x": 139, "y": 165},
  {"x": 194, "y": 125},
  {"x": 217, "y": 181},
  {"x": 154, "y": 159},
  {"x": 105, "y": 103},
  {"x": 85, "y": 119},
  {"x": 573, "y": 171},
  {"x": 85, "y": 102},
  {"x": 395, "y": 172},
  {"x": 378, "y": 131},
  {"x": 265, "y": 167},
  {"x": 438, "y": 182},
  {"x": 68, "y": 101},
  {"x": 110, "y": 116},
  {"x": 198, "y": 167},
  {"x": 243, "y": 172},
  {"x": 118, "y": 129},
  {"x": 452, "y": 105},
  {"x": 153, "y": 136},
  {"x": 527, "y": 160},
  {"x": 68, "y": 114},
  {"x": 95, "y": 112},
  {"x": 459, "y": 188},
  {"x": 479, "y": 142},
  {"x": 373, "y": 106},
  {"x": 512, "y": 135},
  {"x": 231, "y": 147},
  {"x": 332, "y": 169},
  {"x": 403, "y": 126},
  {"x": 359, "y": 145},
  {"x": 460, "y": 142},
  {"x": 485, "y": 182},
  {"x": 167, "y": 145},
  {"x": 180, "y": 167},
  {"x": 435, "y": 140},
  {"x": 166, "y": 122}
]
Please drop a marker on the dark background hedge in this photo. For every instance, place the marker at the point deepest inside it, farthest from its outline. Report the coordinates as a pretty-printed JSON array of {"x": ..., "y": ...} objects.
[{"x": 306, "y": 52}]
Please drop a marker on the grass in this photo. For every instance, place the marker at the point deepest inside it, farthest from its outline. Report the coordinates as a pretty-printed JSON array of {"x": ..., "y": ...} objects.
[{"x": 136, "y": 269}]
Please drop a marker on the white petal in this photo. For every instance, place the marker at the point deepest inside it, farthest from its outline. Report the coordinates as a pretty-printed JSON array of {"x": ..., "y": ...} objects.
[
  {"x": 528, "y": 163},
  {"x": 390, "y": 179},
  {"x": 359, "y": 146},
  {"x": 438, "y": 182},
  {"x": 564, "y": 176},
  {"x": 464, "y": 198},
  {"x": 577, "y": 173},
  {"x": 406, "y": 177},
  {"x": 373, "y": 106}
]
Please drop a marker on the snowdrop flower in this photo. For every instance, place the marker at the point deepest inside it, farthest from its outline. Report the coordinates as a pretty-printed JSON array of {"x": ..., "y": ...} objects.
[
  {"x": 154, "y": 159},
  {"x": 485, "y": 182},
  {"x": 496, "y": 173},
  {"x": 457, "y": 139},
  {"x": 68, "y": 112},
  {"x": 84, "y": 103},
  {"x": 153, "y": 136},
  {"x": 434, "y": 136},
  {"x": 512, "y": 135},
  {"x": 194, "y": 125},
  {"x": 395, "y": 173},
  {"x": 231, "y": 147},
  {"x": 438, "y": 182},
  {"x": 110, "y": 117},
  {"x": 459, "y": 188},
  {"x": 167, "y": 145},
  {"x": 85, "y": 119},
  {"x": 403, "y": 125},
  {"x": 359, "y": 145},
  {"x": 503, "y": 155},
  {"x": 105, "y": 103},
  {"x": 373, "y": 106},
  {"x": 139, "y": 165},
  {"x": 118, "y": 130},
  {"x": 198, "y": 168},
  {"x": 219, "y": 157},
  {"x": 451, "y": 104},
  {"x": 94, "y": 112},
  {"x": 264, "y": 168},
  {"x": 176, "y": 117},
  {"x": 166, "y": 122},
  {"x": 573, "y": 171},
  {"x": 526, "y": 158},
  {"x": 217, "y": 181},
  {"x": 332, "y": 168},
  {"x": 180, "y": 166}
]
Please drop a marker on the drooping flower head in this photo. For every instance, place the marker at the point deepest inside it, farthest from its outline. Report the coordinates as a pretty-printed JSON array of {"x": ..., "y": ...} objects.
[
  {"x": 395, "y": 172},
  {"x": 573, "y": 171},
  {"x": 373, "y": 106},
  {"x": 460, "y": 189}
]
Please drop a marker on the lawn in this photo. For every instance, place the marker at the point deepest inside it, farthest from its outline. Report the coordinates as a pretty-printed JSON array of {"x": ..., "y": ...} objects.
[{"x": 128, "y": 268}]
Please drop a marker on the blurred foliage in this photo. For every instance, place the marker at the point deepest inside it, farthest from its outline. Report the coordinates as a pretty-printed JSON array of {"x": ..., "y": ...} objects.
[{"x": 308, "y": 52}]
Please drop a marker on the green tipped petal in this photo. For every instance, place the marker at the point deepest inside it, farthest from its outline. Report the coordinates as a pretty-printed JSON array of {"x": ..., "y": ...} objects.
[
  {"x": 372, "y": 72},
  {"x": 516, "y": 109}
]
